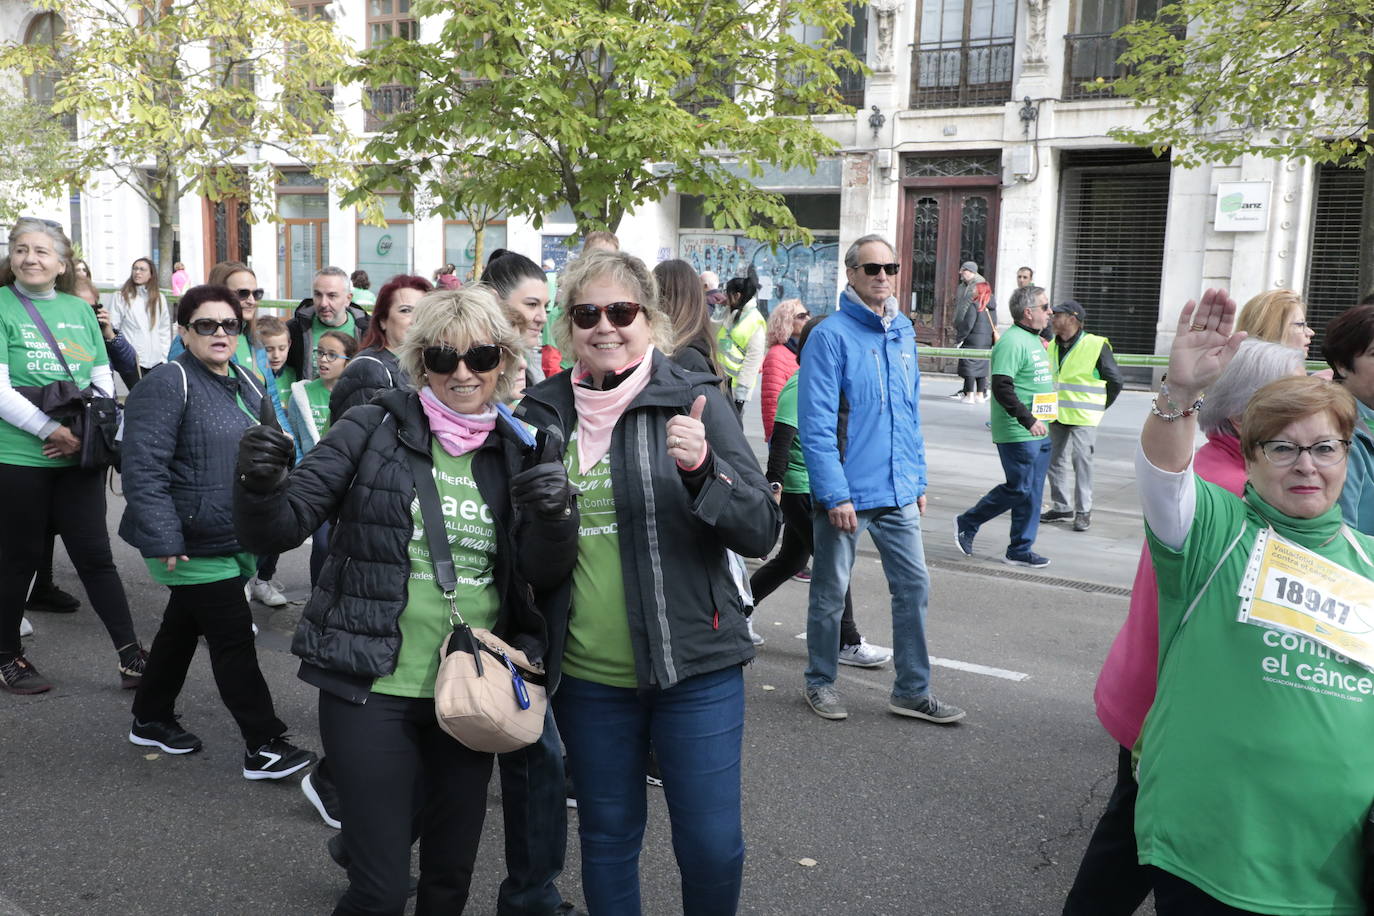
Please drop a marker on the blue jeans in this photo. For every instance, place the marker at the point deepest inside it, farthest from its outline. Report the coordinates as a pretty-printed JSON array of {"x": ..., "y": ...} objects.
[
  {"x": 696, "y": 727},
  {"x": 897, "y": 534},
  {"x": 1025, "y": 464},
  {"x": 534, "y": 803}
]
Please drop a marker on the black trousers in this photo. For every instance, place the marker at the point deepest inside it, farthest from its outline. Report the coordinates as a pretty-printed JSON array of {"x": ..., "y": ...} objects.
[
  {"x": 798, "y": 543},
  {"x": 1110, "y": 879},
  {"x": 219, "y": 612},
  {"x": 1176, "y": 897},
  {"x": 71, "y": 502},
  {"x": 381, "y": 754}
]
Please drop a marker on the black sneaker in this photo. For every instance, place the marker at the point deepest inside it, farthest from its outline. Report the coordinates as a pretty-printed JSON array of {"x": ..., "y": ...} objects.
[
  {"x": 1029, "y": 558},
  {"x": 133, "y": 661},
  {"x": 1082, "y": 521},
  {"x": 169, "y": 736},
  {"x": 18, "y": 675},
  {"x": 277, "y": 759},
  {"x": 319, "y": 790},
  {"x": 963, "y": 538},
  {"x": 48, "y": 597},
  {"x": 569, "y": 791},
  {"x": 1054, "y": 515}
]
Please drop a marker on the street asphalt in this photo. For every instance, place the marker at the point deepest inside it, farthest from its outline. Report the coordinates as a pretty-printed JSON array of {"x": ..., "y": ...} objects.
[{"x": 873, "y": 815}]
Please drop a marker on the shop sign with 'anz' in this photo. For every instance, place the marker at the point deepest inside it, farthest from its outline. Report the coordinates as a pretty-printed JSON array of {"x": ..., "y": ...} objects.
[{"x": 1242, "y": 206}]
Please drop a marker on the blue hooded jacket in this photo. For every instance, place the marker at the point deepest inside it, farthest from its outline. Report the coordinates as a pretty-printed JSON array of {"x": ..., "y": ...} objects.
[
  {"x": 882, "y": 461},
  {"x": 1357, "y": 499}
]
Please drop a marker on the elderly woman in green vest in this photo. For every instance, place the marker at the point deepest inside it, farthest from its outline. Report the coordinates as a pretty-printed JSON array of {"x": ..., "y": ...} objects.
[
  {"x": 742, "y": 338},
  {"x": 1256, "y": 772},
  {"x": 1088, "y": 380}
]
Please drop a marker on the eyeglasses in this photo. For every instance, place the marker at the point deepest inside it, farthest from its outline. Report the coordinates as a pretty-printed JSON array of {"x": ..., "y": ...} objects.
[
  {"x": 244, "y": 294},
  {"x": 206, "y": 327},
  {"x": 621, "y": 314},
  {"x": 872, "y": 269},
  {"x": 442, "y": 360},
  {"x": 327, "y": 356},
  {"x": 1326, "y": 453}
]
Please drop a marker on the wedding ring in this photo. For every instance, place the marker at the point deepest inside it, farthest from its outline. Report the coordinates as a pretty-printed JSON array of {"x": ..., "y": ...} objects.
[
  {"x": 675, "y": 442},
  {"x": 1198, "y": 327}
]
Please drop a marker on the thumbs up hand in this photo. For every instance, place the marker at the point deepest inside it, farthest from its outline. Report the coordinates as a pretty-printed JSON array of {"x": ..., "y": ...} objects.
[
  {"x": 265, "y": 453},
  {"x": 687, "y": 436}
]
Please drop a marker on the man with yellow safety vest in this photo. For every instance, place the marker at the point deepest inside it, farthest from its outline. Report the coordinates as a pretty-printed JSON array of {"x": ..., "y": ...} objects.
[{"x": 1088, "y": 380}]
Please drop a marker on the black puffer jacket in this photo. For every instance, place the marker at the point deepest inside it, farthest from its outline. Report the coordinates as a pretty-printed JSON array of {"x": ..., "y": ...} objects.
[
  {"x": 349, "y": 634},
  {"x": 368, "y": 373},
  {"x": 182, "y": 426},
  {"x": 685, "y": 613}
]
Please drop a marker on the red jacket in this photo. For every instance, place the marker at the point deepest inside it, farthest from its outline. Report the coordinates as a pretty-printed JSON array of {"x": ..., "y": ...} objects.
[{"x": 778, "y": 365}]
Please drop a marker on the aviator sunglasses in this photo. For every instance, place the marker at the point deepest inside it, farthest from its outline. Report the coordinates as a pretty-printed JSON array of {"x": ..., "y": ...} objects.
[
  {"x": 621, "y": 314},
  {"x": 442, "y": 360},
  {"x": 244, "y": 294},
  {"x": 872, "y": 268},
  {"x": 206, "y": 327}
]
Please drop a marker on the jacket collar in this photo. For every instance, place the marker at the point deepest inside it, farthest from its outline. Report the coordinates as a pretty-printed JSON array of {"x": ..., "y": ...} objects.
[
  {"x": 241, "y": 381},
  {"x": 854, "y": 307},
  {"x": 412, "y": 426},
  {"x": 669, "y": 386}
]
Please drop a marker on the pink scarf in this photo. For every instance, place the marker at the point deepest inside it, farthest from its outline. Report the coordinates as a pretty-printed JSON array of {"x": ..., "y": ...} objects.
[
  {"x": 458, "y": 433},
  {"x": 599, "y": 411}
]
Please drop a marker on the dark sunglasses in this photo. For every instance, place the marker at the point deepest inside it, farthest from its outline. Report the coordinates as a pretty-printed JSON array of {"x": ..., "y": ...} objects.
[
  {"x": 443, "y": 360},
  {"x": 872, "y": 269},
  {"x": 245, "y": 293},
  {"x": 206, "y": 327},
  {"x": 621, "y": 314}
]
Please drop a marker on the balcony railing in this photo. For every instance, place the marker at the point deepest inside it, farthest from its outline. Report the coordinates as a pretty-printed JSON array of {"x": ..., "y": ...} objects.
[
  {"x": 957, "y": 75},
  {"x": 385, "y": 102},
  {"x": 1090, "y": 64}
]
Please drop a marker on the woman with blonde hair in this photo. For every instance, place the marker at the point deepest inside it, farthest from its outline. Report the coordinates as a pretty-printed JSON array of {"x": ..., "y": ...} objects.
[
  {"x": 785, "y": 325},
  {"x": 138, "y": 311},
  {"x": 1278, "y": 316}
]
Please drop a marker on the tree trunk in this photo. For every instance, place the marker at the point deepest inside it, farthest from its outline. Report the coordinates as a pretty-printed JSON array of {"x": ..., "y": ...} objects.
[
  {"x": 479, "y": 247},
  {"x": 167, "y": 202}
]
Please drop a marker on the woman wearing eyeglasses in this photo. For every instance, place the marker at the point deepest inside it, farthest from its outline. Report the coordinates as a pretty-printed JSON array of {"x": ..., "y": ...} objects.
[
  {"x": 140, "y": 314},
  {"x": 1256, "y": 775},
  {"x": 181, "y": 429},
  {"x": 785, "y": 325},
  {"x": 1279, "y": 316},
  {"x": 371, "y": 631},
  {"x": 653, "y": 643},
  {"x": 742, "y": 337}
]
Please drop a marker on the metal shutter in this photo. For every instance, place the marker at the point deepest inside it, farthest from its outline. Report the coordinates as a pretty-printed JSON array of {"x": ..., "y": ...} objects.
[{"x": 1333, "y": 272}]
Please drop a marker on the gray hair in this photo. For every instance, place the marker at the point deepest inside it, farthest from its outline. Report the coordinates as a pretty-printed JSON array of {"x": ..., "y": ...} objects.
[
  {"x": 1256, "y": 364},
  {"x": 61, "y": 246},
  {"x": 851, "y": 256},
  {"x": 617, "y": 267},
  {"x": 1023, "y": 300},
  {"x": 332, "y": 271},
  {"x": 461, "y": 318}
]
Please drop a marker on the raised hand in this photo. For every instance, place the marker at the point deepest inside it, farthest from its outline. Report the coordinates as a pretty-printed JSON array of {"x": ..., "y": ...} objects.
[
  {"x": 265, "y": 452},
  {"x": 543, "y": 487},
  {"x": 1204, "y": 344},
  {"x": 687, "y": 436}
]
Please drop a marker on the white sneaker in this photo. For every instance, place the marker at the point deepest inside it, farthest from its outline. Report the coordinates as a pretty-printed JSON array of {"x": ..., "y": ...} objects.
[
  {"x": 26, "y": 628},
  {"x": 266, "y": 593},
  {"x": 865, "y": 655},
  {"x": 754, "y": 637}
]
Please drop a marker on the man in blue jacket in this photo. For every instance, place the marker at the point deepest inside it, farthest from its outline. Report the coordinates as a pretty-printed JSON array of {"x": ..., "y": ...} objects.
[{"x": 860, "y": 364}]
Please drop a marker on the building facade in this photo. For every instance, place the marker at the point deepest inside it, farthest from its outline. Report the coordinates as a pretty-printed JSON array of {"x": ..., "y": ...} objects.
[{"x": 977, "y": 136}]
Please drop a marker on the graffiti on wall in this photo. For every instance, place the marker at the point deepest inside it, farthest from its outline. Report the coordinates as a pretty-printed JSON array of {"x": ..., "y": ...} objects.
[{"x": 805, "y": 272}]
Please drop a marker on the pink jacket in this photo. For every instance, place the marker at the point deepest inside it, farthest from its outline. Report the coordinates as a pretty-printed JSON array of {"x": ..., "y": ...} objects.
[
  {"x": 778, "y": 366},
  {"x": 1126, "y": 686}
]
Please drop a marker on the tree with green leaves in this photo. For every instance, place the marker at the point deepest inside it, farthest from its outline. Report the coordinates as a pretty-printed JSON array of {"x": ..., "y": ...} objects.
[
  {"x": 604, "y": 105},
  {"x": 37, "y": 150},
  {"x": 181, "y": 96},
  {"x": 1280, "y": 79}
]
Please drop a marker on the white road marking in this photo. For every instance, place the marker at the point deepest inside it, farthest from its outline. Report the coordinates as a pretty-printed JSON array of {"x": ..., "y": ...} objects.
[{"x": 971, "y": 667}]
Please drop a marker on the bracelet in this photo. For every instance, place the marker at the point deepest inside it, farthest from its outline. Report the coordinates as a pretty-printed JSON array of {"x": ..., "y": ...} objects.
[{"x": 1177, "y": 414}]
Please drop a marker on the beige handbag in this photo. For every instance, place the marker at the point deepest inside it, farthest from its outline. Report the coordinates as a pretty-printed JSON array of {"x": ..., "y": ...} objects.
[{"x": 488, "y": 695}]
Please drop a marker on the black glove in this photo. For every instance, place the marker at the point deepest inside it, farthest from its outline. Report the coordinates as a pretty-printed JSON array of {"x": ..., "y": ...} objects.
[
  {"x": 266, "y": 453},
  {"x": 544, "y": 490}
]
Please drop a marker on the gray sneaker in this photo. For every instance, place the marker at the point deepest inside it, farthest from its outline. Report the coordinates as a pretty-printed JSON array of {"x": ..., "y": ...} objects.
[
  {"x": 926, "y": 707},
  {"x": 825, "y": 702}
]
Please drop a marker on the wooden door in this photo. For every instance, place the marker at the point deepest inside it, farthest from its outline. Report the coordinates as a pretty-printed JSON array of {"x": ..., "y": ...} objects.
[{"x": 942, "y": 227}]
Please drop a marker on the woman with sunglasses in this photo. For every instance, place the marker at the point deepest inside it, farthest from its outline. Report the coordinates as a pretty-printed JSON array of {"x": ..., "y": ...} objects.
[
  {"x": 40, "y": 474},
  {"x": 376, "y": 367},
  {"x": 371, "y": 631},
  {"x": 139, "y": 313},
  {"x": 655, "y": 637},
  {"x": 181, "y": 429},
  {"x": 742, "y": 337},
  {"x": 1256, "y": 772}
]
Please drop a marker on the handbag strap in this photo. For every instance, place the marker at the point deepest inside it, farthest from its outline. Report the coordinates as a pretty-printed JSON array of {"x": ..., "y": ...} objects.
[
  {"x": 43, "y": 328},
  {"x": 440, "y": 553}
]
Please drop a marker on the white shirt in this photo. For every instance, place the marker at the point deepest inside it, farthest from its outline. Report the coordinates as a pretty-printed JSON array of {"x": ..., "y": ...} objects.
[{"x": 130, "y": 318}]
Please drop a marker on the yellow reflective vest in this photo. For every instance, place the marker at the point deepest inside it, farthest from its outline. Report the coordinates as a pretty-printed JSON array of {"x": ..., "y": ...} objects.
[
  {"x": 734, "y": 341},
  {"x": 1082, "y": 392}
]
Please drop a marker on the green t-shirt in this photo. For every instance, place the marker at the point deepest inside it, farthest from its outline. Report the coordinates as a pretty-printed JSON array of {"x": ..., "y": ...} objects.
[
  {"x": 286, "y": 377},
  {"x": 1255, "y": 766},
  {"x": 317, "y": 328},
  {"x": 200, "y": 570},
  {"x": 599, "y": 647},
  {"x": 32, "y": 362},
  {"x": 318, "y": 396},
  {"x": 425, "y": 620},
  {"x": 795, "y": 479},
  {"x": 1021, "y": 355}
]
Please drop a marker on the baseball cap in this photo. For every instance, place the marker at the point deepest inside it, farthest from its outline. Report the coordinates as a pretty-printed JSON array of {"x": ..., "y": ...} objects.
[
  {"x": 1073, "y": 308},
  {"x": 969, "y": 265}
]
